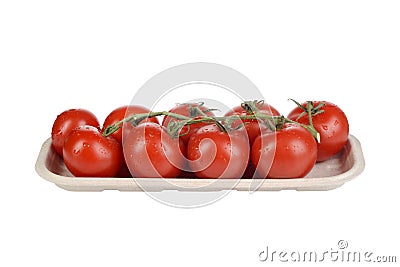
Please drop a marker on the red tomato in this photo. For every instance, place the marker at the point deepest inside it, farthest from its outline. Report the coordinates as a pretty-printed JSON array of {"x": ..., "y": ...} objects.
[
  {"x": 213, "y": 153},
  {"x": 120, "y": 113},
  {"x": 332, "y": 126},
  {"x": 87, "y": 153},
  {"x": 66, "y": 122},
  {"x": 151, "y": 152},
  {"x": 287, "y": 153},
  {"x": 189, "y": 110},
  {"x": 253, "y": 127}
]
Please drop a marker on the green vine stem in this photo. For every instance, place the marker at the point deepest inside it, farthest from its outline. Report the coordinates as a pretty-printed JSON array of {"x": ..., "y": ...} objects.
[
  {"x": 272, "y": 122},
  {"x": 135, "y": 119}
]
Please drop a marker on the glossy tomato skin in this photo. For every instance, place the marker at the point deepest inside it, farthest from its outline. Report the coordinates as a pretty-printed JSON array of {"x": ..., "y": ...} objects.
[
  {"x": 186, "y": 109},
  {"x": 231, "y": 153},
  {"x": 66, "y": 122},
  {"x": 120, "y": 113},
  {"x": 150, "y": 152},
  {"x": 332, "y": 126},
  {"x": 87, "y": 153},
  {"x": 287, "y": 153},
  {"x": 253, "y": 127}
]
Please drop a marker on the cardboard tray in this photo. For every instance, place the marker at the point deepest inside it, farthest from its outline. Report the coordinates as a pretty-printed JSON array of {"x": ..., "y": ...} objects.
[{"x": 327, "y": 175}]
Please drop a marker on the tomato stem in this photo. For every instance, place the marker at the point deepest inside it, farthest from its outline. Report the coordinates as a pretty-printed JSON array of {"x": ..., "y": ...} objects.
[
  {"x": 272, "y": 122},
  {"x": 310, "y": 108}
]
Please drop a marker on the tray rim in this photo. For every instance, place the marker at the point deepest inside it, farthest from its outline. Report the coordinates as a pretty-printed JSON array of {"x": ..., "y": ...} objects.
[{"x": 130, "y": 184}]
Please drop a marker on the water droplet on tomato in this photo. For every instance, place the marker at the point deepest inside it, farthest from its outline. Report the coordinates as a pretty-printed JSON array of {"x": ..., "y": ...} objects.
[{"x": 325, "y": 127}]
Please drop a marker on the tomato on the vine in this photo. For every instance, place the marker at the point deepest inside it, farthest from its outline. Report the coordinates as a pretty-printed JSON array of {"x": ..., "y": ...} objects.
[
  {"x": 331, "y": 123},
  {"x": 213, "y": 153},
  {"x": 151, "y": 152},
  {"x": 191, "y": 110},
  {"x": 66, "y": 122},
  {"x": 253, "y": 127},
  {"x": 87, "y": 153},
  {"x": 290, "y": 152},
  {"x": 120, "y": 113}
]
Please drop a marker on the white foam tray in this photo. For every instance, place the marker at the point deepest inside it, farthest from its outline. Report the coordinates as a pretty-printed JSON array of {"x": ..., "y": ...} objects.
[{"x": 331, "y": 174}]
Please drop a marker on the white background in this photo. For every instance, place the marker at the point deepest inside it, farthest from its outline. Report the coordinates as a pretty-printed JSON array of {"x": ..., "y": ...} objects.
[{"x": 56, "y": 55}]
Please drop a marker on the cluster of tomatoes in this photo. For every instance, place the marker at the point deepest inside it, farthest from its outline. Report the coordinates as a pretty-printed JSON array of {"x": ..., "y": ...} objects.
[{"x": 251, "y": 140}]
